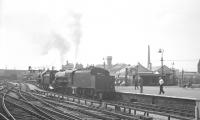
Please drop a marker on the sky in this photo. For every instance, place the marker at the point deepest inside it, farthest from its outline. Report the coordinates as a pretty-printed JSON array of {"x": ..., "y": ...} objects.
[{"x": 44, "y": 33}]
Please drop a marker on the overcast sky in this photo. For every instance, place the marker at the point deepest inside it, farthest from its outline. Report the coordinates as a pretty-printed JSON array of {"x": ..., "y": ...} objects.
[{"x": 49, "y": 32}]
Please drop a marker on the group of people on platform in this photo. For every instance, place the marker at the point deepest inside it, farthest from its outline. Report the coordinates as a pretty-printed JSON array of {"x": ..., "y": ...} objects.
[{"x": 139, "y": 83}]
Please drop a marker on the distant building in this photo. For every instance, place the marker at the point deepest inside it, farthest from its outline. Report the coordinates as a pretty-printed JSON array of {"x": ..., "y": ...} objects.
[
  {"x": 126, "y": 74},
  {"x": 186, "y": 77},
  {"x": 109, "y": 61},
  {"x": 68, "y": 66},
  {"x": 169, "y": 75},
  {"x": 78, "y": 66},
  {"x": 108, "y": 65}
]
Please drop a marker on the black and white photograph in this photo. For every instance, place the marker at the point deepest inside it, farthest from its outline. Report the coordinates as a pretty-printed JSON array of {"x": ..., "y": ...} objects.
[{"x": 100, "y": 59}]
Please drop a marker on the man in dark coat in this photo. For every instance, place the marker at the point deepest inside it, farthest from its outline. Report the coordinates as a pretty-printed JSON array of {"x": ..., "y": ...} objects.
[
  {"x": 140, "y": 80},
  {"x": 136, "y": 82}
]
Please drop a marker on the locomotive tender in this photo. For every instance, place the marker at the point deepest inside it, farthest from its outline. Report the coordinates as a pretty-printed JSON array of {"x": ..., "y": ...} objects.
[{"x": 93, "y": 82}]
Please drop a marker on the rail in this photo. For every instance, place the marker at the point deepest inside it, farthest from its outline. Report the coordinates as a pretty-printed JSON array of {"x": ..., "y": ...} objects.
[
  {"x": 10, "y": 116},
  {"x": 42, "y": 110},
  {"x": 143, "y": 108},
  {"x": 15, "y": 102},
  {"x": 2, "y": 117},
  {"x": 112, "y": 113}
]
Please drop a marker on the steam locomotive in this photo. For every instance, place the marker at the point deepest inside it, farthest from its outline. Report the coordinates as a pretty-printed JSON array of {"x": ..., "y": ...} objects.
[{"x": 93, "y": 82}]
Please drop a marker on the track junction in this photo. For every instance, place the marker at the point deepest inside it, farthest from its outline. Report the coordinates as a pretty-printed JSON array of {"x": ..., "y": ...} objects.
[{"x": 24, "y": 99}]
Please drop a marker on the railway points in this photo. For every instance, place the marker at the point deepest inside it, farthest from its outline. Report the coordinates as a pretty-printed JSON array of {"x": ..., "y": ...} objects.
[
  {"x": 169, "y": 112},
  {"x": 124, "y": 106}
]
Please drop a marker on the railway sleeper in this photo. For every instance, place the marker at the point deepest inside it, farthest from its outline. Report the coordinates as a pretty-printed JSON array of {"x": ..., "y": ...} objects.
[
  {"x": 171, "y": 114},
  {"x": 29, "y": 111}
]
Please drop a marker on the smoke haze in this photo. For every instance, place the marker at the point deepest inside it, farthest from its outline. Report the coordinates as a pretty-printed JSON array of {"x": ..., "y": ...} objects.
[
  {"x": 75, "y": 32},
  {"x": 45, "y": 37}
]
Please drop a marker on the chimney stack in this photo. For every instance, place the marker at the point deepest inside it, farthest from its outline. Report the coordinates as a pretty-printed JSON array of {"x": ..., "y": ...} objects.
[{"x": 149, "y": 65}]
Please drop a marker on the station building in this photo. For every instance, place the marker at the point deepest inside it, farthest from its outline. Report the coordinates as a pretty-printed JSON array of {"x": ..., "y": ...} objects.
[
  {"x": 125, "y": 74},
  {"x": 129, "y": 73}
]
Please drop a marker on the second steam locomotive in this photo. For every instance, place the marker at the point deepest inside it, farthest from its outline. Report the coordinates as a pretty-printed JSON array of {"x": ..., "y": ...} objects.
[{"x": 93, "y": 82}]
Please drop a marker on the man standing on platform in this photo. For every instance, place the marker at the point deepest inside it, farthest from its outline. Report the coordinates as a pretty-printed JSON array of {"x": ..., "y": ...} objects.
[
  {"x": 161, "y": 83},
  {"x": 140, "y": 80},
  {"x": 136, "y": 82}
]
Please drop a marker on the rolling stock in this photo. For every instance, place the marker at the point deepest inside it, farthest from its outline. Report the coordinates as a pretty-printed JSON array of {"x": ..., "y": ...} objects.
[{"x": 93, "y": 82}]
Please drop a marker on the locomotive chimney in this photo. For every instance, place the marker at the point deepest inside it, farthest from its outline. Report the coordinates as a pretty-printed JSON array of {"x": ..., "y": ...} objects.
[
  {"x": 29, "y": 68},
  {"x": 109, "y": 61},
  {"x": 52, "y": 68}
]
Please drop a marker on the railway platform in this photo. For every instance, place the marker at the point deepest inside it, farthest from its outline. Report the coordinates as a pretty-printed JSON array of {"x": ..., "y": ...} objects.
[
  {"x": 172, "y": 107},
  {"x": 175, "y": 98}
]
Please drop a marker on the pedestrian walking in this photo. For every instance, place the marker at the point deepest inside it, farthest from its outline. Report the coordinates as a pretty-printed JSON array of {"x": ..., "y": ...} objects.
[{"x": 161, "y": 83}]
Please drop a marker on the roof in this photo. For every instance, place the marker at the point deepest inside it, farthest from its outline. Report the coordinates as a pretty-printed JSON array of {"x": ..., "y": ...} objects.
[
  {"x": 141, "y": 69},
  {"x": 134, "y": 69},
  {"x": 159, "y": 69},
  {"x": 117, "y": 67},
  {"x": 114, "y": 68}
]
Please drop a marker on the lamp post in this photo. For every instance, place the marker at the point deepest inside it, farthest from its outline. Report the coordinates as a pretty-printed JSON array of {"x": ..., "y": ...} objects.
[{"x": 161, "y": 51}]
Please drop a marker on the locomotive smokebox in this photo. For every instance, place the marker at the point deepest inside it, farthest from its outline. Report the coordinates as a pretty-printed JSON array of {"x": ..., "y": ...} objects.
[{"x": 109, "y": 61}]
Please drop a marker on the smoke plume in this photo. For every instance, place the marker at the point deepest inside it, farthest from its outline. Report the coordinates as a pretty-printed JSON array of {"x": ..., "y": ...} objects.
[
  {"x": 67, "y": 40},
  {"x": 61, "y": 44},
  {"x": 75, "y": 31}
]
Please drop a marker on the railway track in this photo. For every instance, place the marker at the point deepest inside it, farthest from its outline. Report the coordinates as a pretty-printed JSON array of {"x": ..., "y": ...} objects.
[
  {"x": 124, "y": 107},
  {"x": 13, "y": 109},
  {"x": 38, "y": 104},
  {"x": 18, "y": 107},
  {"x": 3, "y": 117},
  {"x": 82, "y": 110}
]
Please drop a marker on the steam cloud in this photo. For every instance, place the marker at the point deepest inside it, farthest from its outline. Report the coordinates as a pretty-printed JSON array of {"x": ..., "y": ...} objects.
[
  {"x": 58, "y": 42},
  {"x": 63, "y": 42},
  {"x": 75, "y": 28}
]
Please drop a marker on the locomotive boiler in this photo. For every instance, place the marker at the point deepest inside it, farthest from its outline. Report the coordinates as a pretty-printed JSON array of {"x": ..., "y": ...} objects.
[
  {"x": 46, "y": 78},
  {"x": 62, "y": 81}
]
